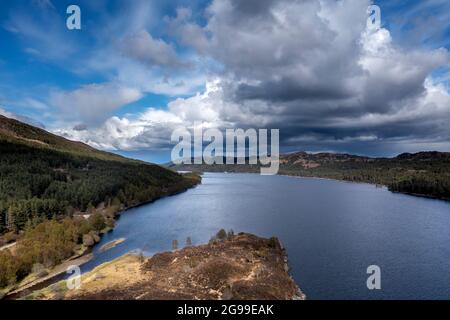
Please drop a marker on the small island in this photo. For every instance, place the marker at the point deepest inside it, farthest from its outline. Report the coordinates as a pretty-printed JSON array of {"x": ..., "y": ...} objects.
[{"x": 111, "y": 244}]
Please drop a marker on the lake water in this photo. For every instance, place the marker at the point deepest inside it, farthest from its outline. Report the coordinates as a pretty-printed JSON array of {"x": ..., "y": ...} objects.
[{"x": 332, "y": 232}]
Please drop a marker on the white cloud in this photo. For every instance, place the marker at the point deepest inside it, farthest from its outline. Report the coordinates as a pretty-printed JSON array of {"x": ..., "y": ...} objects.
[
  {"x": 93, "y": 103},
  {"x": 44, "y": 4},
  {"x": 148, "y": 50},
  {"x": 8, "y": 114},
  {"x": 152, "y": 128},
  {"x": 35, "y": 104},
  {"x": 175, "y": 84},
  {"x": 20, "y": 118}
]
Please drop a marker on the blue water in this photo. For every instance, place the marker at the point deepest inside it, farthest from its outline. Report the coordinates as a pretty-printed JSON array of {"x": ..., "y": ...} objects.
[{"x": 332, "y": 232}]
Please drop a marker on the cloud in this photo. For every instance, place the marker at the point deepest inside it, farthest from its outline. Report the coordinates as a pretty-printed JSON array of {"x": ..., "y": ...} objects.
[
  {"x": 44, "y": 4},
  {"x": 20, "y": 118},
  {"x": 152, "y": 128},
  {"x": 35, "y": 104},
  {"x": 130, "y": 73},
  {"x": 310, "y": 68},
  {"x": 419, "y": 23},
  {"x": 93, "y": 103},
  {"x": 80, "y": 127},
  {"x": 41, "y": 30},
  {"x": 124, "y": 134},
  {"x": 323, "y": 75},
  {"x": 32, "y": 51},
  {"x": 188, "y": 33},
  {"x": 147, "y": 50},
  {"x": 120, "y": 51}
]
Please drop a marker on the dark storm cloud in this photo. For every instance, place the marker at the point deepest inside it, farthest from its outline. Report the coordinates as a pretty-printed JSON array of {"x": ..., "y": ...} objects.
[
  {"x": 287, "y": 89},
  {"x": 253, "y": 7},
  {"x": 314, "y": 71},
  {"x": 80, "y": 127}
]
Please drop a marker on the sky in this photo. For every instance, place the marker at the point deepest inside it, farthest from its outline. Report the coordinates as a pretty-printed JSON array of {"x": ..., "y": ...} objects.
[{"x": 138, "y": 70}]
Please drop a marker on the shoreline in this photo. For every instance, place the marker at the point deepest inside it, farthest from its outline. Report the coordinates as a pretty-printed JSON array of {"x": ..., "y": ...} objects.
[
  {"x": 81, "y": 259},
  {"x": 51, "y": 278},
  {"x": 343, "y": 180}
]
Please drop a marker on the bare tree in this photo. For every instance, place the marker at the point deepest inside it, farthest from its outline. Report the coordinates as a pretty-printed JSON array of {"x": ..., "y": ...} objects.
[{"x": 175, "y": 244}]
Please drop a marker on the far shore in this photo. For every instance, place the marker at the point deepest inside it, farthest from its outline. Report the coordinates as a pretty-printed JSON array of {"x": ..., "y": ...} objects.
[{"x": 339, "y": 180}]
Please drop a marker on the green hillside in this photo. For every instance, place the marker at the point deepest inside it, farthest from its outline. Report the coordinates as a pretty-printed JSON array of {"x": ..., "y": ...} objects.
[{"x": 43, "y": 175}]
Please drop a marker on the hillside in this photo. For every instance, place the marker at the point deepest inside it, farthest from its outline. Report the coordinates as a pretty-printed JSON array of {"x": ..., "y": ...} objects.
[
  {"x": 17, "y": 132},
  {"x": 44, "y": 174},
  {"x": 423, "y": 173},
  {"x": 238, "y": 267},
  {"x": 50, "y": 185}
]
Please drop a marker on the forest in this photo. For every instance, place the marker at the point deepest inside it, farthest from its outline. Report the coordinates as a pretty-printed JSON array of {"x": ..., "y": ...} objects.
[
  {"x": 38, "y": 184},
  {"x": 46, "y": 245}
]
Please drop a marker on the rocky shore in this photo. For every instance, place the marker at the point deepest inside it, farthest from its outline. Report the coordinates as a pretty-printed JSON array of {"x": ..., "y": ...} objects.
[{"x": 235, "y": 267}]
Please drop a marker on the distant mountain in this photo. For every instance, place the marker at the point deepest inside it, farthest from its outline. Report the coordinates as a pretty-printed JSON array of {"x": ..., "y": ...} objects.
[
  {"x": 43, "y": 175},
  {"x": 422, "y": 173},
  {"x": 425, "y": 156}
]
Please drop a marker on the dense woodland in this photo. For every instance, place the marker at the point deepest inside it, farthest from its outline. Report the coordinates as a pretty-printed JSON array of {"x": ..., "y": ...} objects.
[{"x": 38, "y": 184}]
